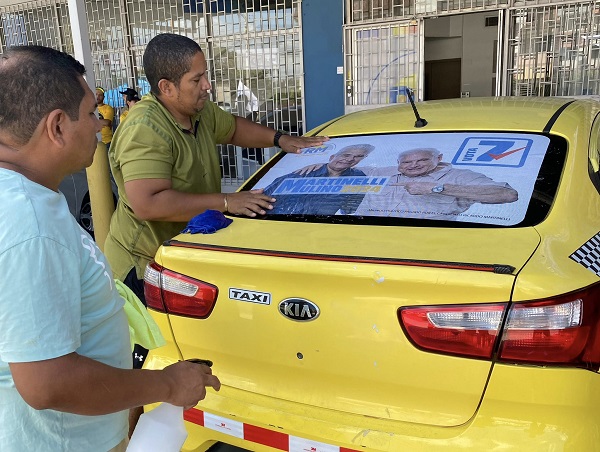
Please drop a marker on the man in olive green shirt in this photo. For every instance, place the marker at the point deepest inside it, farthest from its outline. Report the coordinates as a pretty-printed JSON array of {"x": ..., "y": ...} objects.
[
  {"x": 165, "y": 162},
  {"x": 150, "y": 146},
  {"x": 164, "y": 157}
]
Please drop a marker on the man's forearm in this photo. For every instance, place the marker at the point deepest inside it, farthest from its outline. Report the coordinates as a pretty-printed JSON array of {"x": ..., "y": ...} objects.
[
  {"x": 250, "y": 134},
  {"x": 176, "y": 206},
  {"x": 487, "y": 194},
  {"x": 76, "y": 384}
]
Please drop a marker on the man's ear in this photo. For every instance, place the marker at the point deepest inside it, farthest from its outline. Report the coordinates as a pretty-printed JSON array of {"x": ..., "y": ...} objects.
[
  {"x": 440, "y": 157},
  {"x": 166, "y": 87},
  {"x": 54, "y": 126}
]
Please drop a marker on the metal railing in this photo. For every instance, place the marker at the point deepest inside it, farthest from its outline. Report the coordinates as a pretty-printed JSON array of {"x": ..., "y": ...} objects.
[{"x": 253, "y": 51}]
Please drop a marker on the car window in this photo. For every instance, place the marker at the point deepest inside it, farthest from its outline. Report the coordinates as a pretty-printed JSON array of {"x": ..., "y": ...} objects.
[{"x": 467, "y": 178}]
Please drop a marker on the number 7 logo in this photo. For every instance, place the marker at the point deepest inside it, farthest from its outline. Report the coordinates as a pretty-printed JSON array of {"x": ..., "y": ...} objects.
[{"x": 493, "y": 151}]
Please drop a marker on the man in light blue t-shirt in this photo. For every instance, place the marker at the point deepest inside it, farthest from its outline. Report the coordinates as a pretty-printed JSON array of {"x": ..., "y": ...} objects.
[{"x": 66, "y": 381}]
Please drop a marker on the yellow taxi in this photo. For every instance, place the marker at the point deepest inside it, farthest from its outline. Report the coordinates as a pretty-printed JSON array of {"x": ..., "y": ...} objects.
[{"x": 428, "y": 280}]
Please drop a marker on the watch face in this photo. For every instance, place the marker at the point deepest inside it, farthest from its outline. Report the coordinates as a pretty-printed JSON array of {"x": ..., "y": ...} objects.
[{"x": 437, "y": 189}]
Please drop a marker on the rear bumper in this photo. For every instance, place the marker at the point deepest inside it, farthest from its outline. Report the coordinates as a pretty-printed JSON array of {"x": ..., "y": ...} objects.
[{"x": 530, "y": 409}]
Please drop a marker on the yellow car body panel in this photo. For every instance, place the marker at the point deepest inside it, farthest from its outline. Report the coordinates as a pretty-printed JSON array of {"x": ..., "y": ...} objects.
[
  {"x": 558, "y": 413},
  {"x": 310, "y": 240},
  {"x": 352, "y": 380},
  {"x": 309, "y": 362},
  {"x": 575, "y": 214},
  {"x": 507, "y": 114}
]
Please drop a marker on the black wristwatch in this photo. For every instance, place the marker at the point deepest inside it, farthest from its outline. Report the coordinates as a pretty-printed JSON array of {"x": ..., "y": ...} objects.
[{"x": 276, "y": 138}]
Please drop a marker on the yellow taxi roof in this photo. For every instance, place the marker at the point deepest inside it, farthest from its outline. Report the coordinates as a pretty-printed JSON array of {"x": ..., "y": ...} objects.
[{"x": 494, "y": 113}]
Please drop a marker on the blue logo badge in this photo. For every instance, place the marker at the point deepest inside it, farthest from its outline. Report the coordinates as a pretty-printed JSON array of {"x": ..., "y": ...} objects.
[
  {"x": 317, "y": 150},
  {"x": 496, "y": 151}
]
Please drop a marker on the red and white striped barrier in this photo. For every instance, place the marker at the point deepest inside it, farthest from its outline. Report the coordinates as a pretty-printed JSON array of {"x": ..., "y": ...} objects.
[{"x": 259, "y": 435}]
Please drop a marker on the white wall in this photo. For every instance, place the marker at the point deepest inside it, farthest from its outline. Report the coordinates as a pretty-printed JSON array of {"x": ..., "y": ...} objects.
[
  {"x": 443, "y": 38},
  {"x": 478, "y": 54},
  {"x": 466, "y": 37},
  {"x": 443, "y": 48}
]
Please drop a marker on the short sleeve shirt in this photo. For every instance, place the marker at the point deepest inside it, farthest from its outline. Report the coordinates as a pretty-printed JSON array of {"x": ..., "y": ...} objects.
[
  {"x": 395, "y": 201},
  {"x": 151, "y": 145},
  {"x": 57, "y": 296},
  {"x": 123, "y": 116},
  {"x": 107, "y": 112}
]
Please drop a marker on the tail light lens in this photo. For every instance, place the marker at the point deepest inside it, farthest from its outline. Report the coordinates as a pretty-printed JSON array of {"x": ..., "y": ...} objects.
[
  {"x": 563, "y": 331},
  {"x": 174, "y": 293},
  {"x": 467, "y": 330}
]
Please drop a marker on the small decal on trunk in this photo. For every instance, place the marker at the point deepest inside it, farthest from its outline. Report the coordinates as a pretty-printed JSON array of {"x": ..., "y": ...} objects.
[{"x": 249, "y": 295}]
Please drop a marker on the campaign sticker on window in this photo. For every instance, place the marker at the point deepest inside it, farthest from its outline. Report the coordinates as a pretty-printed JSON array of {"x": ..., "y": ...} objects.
[
  {"x": 493, "y": 151},
  {"x": 330, "y": 185},
  {"x": 318, "y": 150},
  {"x": 483, "y": 178}
]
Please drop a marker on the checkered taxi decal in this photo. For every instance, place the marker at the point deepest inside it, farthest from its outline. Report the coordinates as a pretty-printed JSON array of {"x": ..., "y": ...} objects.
[
  {"x": 588, "y": 254},
  {"x": 259, "y": 435}
]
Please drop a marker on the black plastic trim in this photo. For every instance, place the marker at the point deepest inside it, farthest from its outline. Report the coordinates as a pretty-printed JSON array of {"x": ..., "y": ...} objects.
[
  {"x": 494, "y": 268},
  {"x": 555, "y": 116}
]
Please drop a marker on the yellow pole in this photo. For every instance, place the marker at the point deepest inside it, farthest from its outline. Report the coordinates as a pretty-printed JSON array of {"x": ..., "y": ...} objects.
[{"x": 101, "y": 195}]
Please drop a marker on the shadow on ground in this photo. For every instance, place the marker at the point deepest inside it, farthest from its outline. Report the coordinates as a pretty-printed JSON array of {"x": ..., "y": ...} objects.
[{"x": 220, "y": 447}]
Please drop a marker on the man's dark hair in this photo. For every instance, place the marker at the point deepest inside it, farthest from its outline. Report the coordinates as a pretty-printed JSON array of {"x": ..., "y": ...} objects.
[
  {"x": 35, "y": 80},
  {"x": 168, "y": 56},
  {"x": 366, "y": 148}
]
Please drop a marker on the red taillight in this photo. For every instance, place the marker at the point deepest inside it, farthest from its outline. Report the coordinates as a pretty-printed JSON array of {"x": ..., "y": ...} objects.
[
  {"x": 562, "y": 331},
  {"x": 152, "y": 291},
  {"x": 174, "y": 293},
  {"x": 465, "y": 330}
]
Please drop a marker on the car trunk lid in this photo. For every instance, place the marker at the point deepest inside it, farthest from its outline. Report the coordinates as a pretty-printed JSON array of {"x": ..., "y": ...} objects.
[{"x": 352, "y": 354}]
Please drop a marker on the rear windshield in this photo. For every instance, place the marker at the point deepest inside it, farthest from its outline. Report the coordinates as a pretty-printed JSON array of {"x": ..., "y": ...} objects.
[{"x": 494, "y": 179}]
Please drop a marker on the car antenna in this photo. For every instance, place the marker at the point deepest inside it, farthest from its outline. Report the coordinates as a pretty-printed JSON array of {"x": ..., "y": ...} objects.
[{"x": 420, "y": 122}]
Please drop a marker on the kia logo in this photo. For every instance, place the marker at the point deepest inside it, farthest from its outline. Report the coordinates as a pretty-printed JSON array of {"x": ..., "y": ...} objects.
[{"x": 299, "y": 309}]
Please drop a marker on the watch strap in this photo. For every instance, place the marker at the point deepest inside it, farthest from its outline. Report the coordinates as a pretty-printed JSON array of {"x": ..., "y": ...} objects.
[{"x": 276, "y": 138}]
